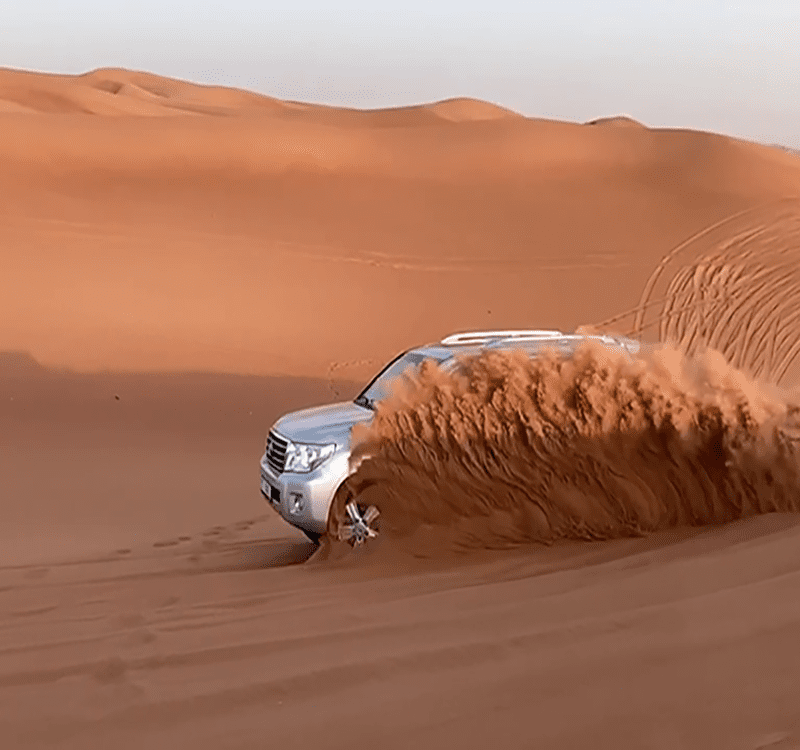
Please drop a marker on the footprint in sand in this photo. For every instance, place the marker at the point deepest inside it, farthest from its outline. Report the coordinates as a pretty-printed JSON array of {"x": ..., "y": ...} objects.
[
  {"x": 220, "y": 532},
  {"x": 108, "y": 688},
  {"x": 166, "y": 543},
  {"x": 777, "y": 741},
  {"x": 128, "y": 620},
  {"x": 110, "y": 670},
  {"x": 138, "y": 637}
]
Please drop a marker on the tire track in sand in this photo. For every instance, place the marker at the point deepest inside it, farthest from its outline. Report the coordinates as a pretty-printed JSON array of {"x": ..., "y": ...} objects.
[{"x": 735, "y": 287}]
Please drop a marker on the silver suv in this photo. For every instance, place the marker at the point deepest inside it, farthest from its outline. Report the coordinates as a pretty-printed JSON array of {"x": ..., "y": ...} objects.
[{"x": 307, "y": 453}]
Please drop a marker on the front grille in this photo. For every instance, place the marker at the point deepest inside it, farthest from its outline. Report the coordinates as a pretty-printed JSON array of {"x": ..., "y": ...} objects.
[{"x": 276, "y": 452}]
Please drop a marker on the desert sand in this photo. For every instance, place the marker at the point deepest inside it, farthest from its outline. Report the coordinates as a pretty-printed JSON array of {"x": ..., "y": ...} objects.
[{"x": 180, "y": 265}]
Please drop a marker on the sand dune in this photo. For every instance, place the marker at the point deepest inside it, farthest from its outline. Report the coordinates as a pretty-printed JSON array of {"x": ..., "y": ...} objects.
[
  {"x": 111, "y": 91},
  {"x": 180, "y": 264},
  {"x": 168, "y": 243},
  {"x": 114, "y": 91},
  {"x": 462, "y": 109},
  {"x": 731, "y": 287}
]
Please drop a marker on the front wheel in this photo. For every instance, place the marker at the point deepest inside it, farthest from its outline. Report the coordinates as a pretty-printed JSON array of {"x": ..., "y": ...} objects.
[{"x": 351, "y": 521}]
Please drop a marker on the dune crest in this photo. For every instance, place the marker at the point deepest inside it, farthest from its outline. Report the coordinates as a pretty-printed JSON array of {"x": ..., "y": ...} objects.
[
  {"x": 117, "y": 91},
  {"x": 465, "y": 109},
  {"x": 617, "y": 121}
]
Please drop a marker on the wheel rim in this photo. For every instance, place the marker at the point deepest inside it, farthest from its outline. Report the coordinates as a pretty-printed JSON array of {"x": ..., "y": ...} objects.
[{"x": 356, "y": 526}]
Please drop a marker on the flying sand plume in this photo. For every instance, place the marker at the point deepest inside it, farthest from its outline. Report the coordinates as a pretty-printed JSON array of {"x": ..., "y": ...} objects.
[{"x": 512, "y": 450}]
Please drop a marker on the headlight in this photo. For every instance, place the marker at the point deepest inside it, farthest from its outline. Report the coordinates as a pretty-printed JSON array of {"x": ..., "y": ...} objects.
[{"x": 305, "y": 457}]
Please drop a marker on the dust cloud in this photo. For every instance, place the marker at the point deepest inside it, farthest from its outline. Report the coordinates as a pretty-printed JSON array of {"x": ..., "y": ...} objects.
[{"x": 509, "y": 450}]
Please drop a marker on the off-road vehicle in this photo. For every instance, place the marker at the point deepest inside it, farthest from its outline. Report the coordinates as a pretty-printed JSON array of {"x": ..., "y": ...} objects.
[{"x": 307, "y": 452}]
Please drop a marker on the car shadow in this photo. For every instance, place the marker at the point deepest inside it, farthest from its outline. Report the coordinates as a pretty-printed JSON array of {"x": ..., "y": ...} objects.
[{"x": 259, "y": 555}]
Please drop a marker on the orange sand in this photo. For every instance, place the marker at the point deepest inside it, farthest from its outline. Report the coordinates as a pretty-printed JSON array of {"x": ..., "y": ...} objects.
[{"x": 215, "y": 258}]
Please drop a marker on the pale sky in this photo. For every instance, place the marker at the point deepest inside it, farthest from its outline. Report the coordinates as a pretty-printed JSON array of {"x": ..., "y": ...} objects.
[{"x": 731, "y": 67}]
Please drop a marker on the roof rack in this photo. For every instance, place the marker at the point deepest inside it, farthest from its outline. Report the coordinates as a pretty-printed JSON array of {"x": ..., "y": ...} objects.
[{"x": 475, "y": 337}]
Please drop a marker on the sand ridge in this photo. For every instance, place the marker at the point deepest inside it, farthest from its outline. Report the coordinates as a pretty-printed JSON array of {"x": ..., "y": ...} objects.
[
  {"x": 120, "y": 92},
  {"x": 162, "y": 243}
]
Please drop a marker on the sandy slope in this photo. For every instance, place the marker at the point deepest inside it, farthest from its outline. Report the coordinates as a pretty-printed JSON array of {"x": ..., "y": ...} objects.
[
  {"x": 682, "y": 641},
  {"x": 95, "y": 462},
  {"x": 184, "y": 242},
  {"x": 162, "y": 231}
]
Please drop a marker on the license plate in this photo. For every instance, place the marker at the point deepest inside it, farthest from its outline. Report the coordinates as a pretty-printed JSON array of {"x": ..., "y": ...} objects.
[{"x": 272, "y": 492}]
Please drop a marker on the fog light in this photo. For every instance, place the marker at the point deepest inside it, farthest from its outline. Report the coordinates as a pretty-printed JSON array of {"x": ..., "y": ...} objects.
[{"x": 296, "y": 503}]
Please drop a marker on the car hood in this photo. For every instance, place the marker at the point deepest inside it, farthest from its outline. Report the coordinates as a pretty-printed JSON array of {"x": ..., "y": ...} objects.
[{"x": 323, "y": 424}]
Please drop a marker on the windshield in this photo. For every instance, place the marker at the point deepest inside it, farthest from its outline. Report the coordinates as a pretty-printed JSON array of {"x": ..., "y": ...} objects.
[{"x": 380, "y": 386}]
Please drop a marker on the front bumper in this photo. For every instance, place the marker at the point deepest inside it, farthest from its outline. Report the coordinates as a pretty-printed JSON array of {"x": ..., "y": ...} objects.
[{"x": 303, "y": 500}]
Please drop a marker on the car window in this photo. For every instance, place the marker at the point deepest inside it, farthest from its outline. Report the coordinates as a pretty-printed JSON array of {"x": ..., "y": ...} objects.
[{"x": 380, "y": 386}]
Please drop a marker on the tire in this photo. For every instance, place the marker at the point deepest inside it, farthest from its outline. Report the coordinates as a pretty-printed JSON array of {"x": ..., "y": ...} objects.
[{"x": 339, "y": 519}]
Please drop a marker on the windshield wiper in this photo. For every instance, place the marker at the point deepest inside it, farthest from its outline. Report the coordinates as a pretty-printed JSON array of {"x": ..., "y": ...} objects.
[{"x": 362, "y": 400}]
